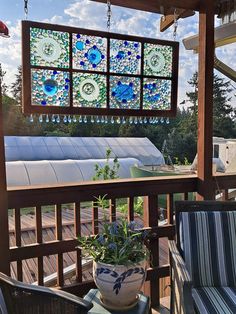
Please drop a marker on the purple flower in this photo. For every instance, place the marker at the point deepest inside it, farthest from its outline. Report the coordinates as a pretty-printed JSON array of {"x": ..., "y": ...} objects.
[
  {"x": 101, "y": 239},
  {"x": 132, "y": 225},
  {"x": 112, "y": 246},
  {"x": 144, "y": 234},
  {"x": 114, "y": 228}
]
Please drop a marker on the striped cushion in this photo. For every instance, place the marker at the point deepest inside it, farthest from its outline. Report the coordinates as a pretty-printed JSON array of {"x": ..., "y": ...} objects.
[
  {"x": 3, "y": 308},
  {"x": 208, "y": 242},
  {"x": 212, "y": 300}
]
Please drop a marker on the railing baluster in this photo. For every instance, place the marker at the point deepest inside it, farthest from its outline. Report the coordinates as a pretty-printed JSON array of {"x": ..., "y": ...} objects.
[
  {"x": 77, "y": 231},
  {"x": 18, "y": 241},
  {"x": 225, "y": 196},
  {"x": 170, "y": 207},
  {"x": 60, "y": 277},
  {"x": 151, "y": 220},
  {"x": 112, "y": 203},
  {"x": 95, "y": 219},
  {"x": 185, "y": 196},
  {"x": 130, "y": 208},
  {"x": 39, "y": 239}
]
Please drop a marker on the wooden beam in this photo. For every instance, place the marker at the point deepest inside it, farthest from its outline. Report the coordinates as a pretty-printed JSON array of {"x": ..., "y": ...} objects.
[
  {"x": 156, "y": 6},
  {"x": 169, "y": 19},
  {"x": 4, "y": 238},
  {"x": 224, "y": 35},
  {"x": 205, "y": 100}
]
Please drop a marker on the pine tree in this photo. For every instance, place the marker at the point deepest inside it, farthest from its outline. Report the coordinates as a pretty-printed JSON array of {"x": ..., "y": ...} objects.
[
  {"x": 3, "y": 85},
  {"x": 223, "y": 112},
  {"x": 16, "y": 86}
]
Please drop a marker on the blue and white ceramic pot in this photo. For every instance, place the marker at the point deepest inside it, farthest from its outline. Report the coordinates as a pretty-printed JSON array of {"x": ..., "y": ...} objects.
[{"x": 119, "y": 285}]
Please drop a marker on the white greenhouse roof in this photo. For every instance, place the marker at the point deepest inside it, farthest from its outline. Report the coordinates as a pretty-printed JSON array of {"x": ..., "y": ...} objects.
[
  {"x": 46, "y": 172},
  {"x": 30, "y": 148},
  {"x": 51, "y": 160}
]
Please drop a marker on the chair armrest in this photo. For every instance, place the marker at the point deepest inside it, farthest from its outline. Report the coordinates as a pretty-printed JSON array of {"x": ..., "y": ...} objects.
[
  {"x": 21, "y": 291},
  {"x": 181, "y": 283}
]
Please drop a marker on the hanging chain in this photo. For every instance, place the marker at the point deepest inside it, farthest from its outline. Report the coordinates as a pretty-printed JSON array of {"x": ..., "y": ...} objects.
[
  {"x": 108, "y": 15},
  {"x": 26, "y": 9},
  {"x": 175, "y": 25}
]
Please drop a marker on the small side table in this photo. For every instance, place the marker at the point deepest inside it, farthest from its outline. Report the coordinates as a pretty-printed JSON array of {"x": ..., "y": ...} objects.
[{"x": 142, "y": 307}]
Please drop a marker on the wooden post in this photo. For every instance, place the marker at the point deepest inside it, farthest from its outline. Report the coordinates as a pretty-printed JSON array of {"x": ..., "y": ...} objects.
[
  {"x": 4, "y": 238},
  {"x": 152, "y": 287},
  {"x": 205, "y": 100}
]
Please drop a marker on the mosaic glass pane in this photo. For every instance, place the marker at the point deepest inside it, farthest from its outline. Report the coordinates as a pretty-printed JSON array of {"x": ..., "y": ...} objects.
[
  {"x": 125, "y": 56},
  {"x": 49, "y": 48},
  {"x": 156, "y": 94},
  {"x": 50, "y": 88},
  {"x": 124, "y": 92},
  {"x": 157, "y": 60},
  {"x": 89, "y": 52},
  {"x": 89, "y": 90}
]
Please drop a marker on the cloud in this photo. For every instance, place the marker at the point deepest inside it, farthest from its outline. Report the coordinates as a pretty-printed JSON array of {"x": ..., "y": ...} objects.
[{"x": 10, "y": 52}]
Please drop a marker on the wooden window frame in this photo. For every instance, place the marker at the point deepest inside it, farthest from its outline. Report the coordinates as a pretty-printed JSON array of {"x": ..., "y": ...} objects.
[{"x": 29, "y": 108}]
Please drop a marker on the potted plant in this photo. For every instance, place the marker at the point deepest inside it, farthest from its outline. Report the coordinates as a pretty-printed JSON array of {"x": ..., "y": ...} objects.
[{"x": 119, "y": 260}]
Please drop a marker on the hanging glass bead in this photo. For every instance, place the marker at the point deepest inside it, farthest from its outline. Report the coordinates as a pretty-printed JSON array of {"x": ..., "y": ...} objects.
[
  {"x": 58, "y": 119},
  {"x": 47, "y": 118},
  {"x": 41, "y": 118},
  {"x": 135, "y": 120},
  {"x": 123, "y": 120},
  {"x": 156, "y": 120},
  {"x": 167, "y": 121},
  {"x": 102, "y": 119},
  {"x": 80, "y": 119},
  {"x": 162, "y": 120},
  {"x": 85, "y": 119},
  {"x": 53, "y": 119},
  {"x": 112, "y": 120},
  {"x": 74, "y": 119},
  {"x": 65, "y": 119},
  {"x": 31, "y": 119},
  {"x": 118, "y": 120},
  {"x": 130, "y": 120},
  {"x": 106, "y": 120},
  {"x": 92, "y": 119},
  {"x": 145, "y": 120},
  {"x": 140, "y": 120},
  {"x": 97, "y": 119},
  {"x": 69, "y": 119}
]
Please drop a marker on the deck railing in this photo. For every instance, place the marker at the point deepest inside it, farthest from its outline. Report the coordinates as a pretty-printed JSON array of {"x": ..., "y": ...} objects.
[{"x": 149, "y": 188}]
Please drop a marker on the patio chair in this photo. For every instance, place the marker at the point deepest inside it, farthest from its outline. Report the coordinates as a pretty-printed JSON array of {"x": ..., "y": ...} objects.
[
  {"x": 19, "y": 298},
  {"x": 203, "y": 262}
]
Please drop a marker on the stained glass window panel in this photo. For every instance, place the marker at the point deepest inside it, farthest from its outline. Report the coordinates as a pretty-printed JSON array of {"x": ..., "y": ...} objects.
[
  {"x": 49, "y": 48},
  {"x": 89, "y": 52},
  {"x": 89, "y": 90},
  {"x": 68, "y": 70},
  {"x": 124, "y": 92},
  {"x": 50, "y": 88},
  {"x": 125, "y": 56},
  {"x": 156, "y": 94},
  {"x": 157, "y": 60}
]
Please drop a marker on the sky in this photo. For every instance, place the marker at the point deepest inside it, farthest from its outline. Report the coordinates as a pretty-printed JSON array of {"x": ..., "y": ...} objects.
[{"x": 92, "y": 15}]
